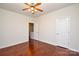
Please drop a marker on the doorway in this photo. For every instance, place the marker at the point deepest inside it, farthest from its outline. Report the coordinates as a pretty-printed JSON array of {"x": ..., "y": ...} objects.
[{"x": 31, "y": 31}]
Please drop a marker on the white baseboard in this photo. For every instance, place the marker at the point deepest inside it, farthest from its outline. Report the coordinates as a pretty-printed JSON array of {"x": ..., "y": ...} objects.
[
  {"x": 47, "y": 42},
  {"x": 9, "y": 45},
  {"x": 58, "y": 45},
  {"x": 74, "y": 49}
]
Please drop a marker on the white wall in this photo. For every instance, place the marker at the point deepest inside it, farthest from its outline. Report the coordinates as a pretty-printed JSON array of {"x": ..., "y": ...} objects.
[
  {"x": 74, "y": 28},
  {"x": 47, "y": 26},
  {"x": 47, "y": 29},
  {"x": 13, "y": 28}
]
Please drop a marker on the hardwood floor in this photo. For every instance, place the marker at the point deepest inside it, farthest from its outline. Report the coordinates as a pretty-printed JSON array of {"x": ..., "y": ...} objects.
[{"x": 36, "y": 48}]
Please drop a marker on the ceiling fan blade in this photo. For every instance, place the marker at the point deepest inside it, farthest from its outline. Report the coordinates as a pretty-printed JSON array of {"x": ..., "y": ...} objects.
[
  {"x": 25, "y": 8},
  {"x": 37, "y": 4},
  {"x": 27, "y": 4},
  {"x": 39, "y": 9}
]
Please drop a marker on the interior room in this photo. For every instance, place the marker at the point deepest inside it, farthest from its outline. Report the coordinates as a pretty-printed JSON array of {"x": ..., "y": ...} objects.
[{"x": 39, "y": 29}]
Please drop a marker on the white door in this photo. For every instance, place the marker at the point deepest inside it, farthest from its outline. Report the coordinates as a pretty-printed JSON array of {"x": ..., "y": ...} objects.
[{"x": 62, "y": 32}]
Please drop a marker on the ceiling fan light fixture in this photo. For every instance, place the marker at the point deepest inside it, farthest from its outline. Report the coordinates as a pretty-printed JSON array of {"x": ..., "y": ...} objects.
[
  {"x": 32, "y": 8},
  {"x": 29, "y": 10},
  {"x": 35, "y": 10},
  {"x": 32, "y": 12}
]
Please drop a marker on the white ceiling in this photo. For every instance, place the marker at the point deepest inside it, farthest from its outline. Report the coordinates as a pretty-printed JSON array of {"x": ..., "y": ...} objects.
[{"x": 47, "y": 7}]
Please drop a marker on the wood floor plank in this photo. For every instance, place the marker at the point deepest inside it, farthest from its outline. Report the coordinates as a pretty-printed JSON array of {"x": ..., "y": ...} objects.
[{"x": 36, "y": 48}]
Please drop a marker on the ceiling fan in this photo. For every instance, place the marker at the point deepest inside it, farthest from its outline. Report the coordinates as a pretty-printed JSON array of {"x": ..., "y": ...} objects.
[{"x": 32, "y": 7}]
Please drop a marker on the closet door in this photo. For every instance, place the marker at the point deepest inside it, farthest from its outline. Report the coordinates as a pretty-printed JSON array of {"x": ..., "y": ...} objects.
[{"x": 62, "y": 32}]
